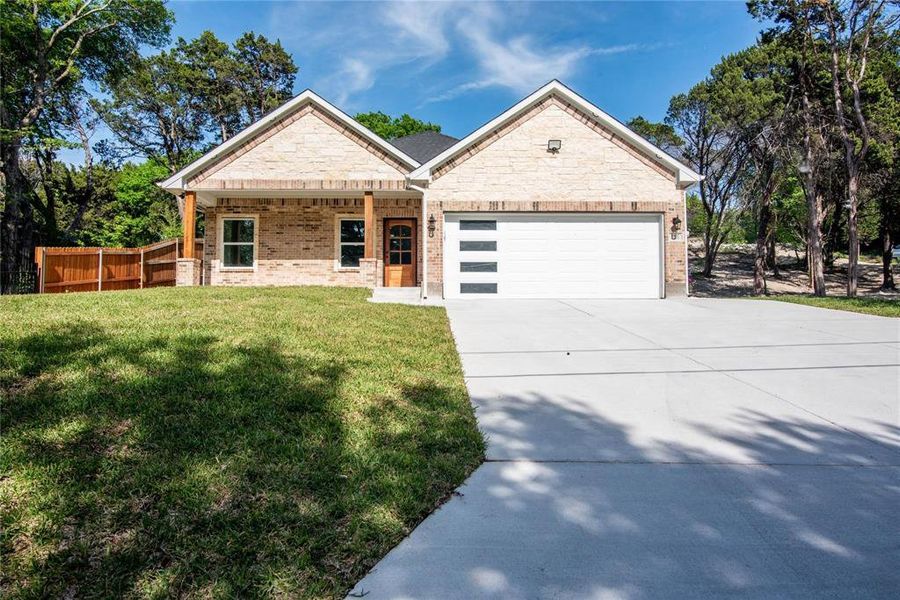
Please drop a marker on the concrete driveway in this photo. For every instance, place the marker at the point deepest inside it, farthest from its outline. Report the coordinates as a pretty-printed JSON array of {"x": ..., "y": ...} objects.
[{"x": 678, "y": 448}]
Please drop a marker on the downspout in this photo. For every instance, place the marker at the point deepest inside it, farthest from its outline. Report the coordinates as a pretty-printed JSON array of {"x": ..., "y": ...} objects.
[
  {"x": 424, "y": 230},
  {"x": 687, "y": 239}
]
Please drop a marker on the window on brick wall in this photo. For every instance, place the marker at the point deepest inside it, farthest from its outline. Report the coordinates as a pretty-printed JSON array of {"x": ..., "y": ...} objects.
[
  {"x": 351, "y": 241},
  {"x": 238, "y": 242}
]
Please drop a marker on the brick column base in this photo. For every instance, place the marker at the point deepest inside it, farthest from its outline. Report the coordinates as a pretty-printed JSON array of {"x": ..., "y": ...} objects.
[
  {"x": 187, "y": 272},
  {"x": 368, "y": 271}
]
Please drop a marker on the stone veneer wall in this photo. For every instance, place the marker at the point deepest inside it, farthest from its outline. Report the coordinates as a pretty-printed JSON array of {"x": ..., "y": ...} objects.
[
  {"x": 297, "y": 240},
  {"x": 511, "y": 171},
  {"x": 307, "y": 145}
]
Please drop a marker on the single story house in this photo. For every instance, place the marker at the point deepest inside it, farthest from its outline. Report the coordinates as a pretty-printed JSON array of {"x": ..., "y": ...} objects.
[{"x": 553, "y": 198}]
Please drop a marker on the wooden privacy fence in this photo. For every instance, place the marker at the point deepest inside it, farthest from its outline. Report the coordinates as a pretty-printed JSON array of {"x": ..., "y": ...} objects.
[{"x": 97, "y": 269}]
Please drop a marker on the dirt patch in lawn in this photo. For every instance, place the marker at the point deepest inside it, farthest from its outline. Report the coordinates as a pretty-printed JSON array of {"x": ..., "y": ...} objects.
[{"x": 733, "y": 276}]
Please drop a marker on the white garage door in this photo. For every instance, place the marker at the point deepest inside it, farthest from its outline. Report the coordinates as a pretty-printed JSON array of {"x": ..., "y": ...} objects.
[{"x": 540, "y": 255}]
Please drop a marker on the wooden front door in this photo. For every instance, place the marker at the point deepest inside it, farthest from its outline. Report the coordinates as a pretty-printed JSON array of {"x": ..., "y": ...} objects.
[{"x": 399, "y": 253}]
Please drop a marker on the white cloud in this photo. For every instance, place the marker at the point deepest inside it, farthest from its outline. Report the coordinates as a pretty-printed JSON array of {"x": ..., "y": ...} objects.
[
  {"x": 355, "y": 75},
  {"x": 365, "y": 40},
  {"x": 421, "y": 27},
  {"x": 489, "y": 44},
  {"x": 519, "y": 63}
]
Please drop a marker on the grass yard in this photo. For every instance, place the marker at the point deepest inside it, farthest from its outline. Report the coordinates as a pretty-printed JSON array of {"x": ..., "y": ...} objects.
[
  {"x": 869, "y": 306},
  {"x": 221, "y": 442}
]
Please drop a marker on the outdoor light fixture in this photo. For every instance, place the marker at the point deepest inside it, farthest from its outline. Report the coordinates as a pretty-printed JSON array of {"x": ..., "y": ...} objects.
[
  {"x": 676, "y": 227},
  {"x": 431, "y": 226},
  {"x": 553, "y": 146}
]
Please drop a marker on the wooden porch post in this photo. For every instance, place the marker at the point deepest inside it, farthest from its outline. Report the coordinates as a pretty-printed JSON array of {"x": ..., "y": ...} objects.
[
  {"x": 369, "y": 212},
  {"x": 190, "y": 223}
]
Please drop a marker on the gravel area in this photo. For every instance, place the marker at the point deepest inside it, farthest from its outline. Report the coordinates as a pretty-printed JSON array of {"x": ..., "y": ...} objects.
[{"x": 733, "y": 275}]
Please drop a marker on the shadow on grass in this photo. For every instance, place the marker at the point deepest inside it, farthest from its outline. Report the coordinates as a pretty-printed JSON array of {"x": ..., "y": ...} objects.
[
  {"x": 184, "y": 465},
  {"x": 757, "y": 506}
]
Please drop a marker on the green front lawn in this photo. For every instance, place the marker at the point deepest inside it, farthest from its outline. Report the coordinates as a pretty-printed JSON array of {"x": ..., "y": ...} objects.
[
  {"x": 869, "y": 306},
  {"x": 221, "y": 442}
]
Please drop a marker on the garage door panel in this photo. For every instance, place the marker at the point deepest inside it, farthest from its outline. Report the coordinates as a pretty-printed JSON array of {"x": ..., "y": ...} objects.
[{"x": 584, "y": 255}]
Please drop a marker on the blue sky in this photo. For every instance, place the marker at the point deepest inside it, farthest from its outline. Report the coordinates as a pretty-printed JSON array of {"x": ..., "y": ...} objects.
[{"x": 461, "y": 63}]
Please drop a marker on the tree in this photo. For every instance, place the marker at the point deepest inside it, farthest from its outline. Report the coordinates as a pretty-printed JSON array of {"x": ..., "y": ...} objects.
[
  {"x": 167, "y": 106},
  {"x": 82, "y": 120},
  {"x": 46, "y": 46},
  {"x": 881, "y": 175},
  {"x": 849, "y": 29},
  {"x": 795, "y": 23},
  {"x": 138, "y": 212},
  {"x": 661, "y": 135},
  {"x": 389, "y": 128},
  {"x": 214, "y": 71},
  {"x": 712, "y": 148},
  {"x": 263, "y": 75},
  {"x": 754, "y": 96},
  {"x": 155, "y": 111}
]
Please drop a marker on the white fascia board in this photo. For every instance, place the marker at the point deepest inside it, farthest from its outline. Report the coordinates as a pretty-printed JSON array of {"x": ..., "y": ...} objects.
[
  {"x": 175, "y": 183},
  {"x": 686, "y": 176}
]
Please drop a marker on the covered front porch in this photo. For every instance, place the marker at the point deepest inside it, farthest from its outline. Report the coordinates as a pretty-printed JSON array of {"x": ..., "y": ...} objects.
[{"x": 369, "y": 238}]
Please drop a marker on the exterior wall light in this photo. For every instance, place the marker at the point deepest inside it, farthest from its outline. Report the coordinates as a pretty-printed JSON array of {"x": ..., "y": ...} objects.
[
  {"x": 676, "y": 227},
  {"x": 431, "y": 225},
  {"x": 553, "y": 146}
]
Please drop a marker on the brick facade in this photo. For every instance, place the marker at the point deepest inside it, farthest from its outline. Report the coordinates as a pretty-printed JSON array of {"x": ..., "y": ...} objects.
[
  {"x": 310, "y": 152},
  {"x": 511, "y": 171},
  {"x": 187, "y": 272},
  {"x": 297, "y": 240}
]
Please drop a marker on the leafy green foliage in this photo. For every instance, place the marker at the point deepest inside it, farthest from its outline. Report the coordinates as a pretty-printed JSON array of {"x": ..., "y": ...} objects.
[
  {"x": 49, "y": 48},
  {"x": 139, "y": 213},
  {"x": 661, "y": 135},
  {"x": 46, "y": 45},
  {"x": 263, "y": 75},
  {"x": 790, "y": 212},
  {"x": 388, "y": 127},
  {"x": 169, "y": 104},
  {"x": 155, "y": 111},
  {"x": 221, "y": 442}
]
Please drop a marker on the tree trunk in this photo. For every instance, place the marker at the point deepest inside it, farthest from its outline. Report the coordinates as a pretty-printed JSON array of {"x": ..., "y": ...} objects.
[
  {"x": 887, "y": 272},
  {"x": 709, "y": 257},
  {"x": 16, "y": 246},
  {"x": 814, "y": 225},
  {"x": 853, "y": 234},
  {"x": 831, "y": 237},
  {"x": 772, "y": 252},
  {"x": 762, "y": 239}
]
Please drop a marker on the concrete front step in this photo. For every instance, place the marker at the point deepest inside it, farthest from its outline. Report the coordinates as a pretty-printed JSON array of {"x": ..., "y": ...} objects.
[{"x": 397, "y": 295}]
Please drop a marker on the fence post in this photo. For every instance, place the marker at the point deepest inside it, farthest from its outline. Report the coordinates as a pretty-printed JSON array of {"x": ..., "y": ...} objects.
[
  {"x": 100, "y": 271},
  {"x": 142, "y": 268}
]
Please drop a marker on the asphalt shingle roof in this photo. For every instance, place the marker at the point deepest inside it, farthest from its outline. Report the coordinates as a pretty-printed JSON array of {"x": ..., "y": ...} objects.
[{"x": 425, "y": 145}]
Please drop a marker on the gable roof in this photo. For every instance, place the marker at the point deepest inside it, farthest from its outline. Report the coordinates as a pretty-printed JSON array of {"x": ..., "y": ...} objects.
[
  {"x": 176, "y": 182},
  {"x": 685, "y": 176},
  {"x": 424, "y": 145}
]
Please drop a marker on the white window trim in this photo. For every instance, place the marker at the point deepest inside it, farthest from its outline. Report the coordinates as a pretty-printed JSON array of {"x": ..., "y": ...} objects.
[
  {"x": 337, "y": 239},
  {"x": 220, "y": 233}
]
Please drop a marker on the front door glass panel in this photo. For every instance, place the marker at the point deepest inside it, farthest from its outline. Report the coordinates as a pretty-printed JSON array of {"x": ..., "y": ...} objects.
[{"x": 400, "y": 245}]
